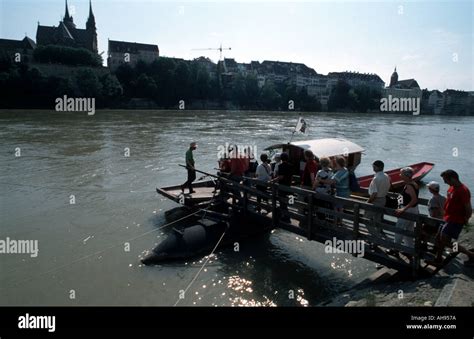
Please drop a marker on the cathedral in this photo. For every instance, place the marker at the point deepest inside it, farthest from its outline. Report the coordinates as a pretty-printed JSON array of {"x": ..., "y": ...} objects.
[
  {"x": 402, "y": 84},
  {"x": 66, "y": 33},
  {"x": 408, "y": 88}
]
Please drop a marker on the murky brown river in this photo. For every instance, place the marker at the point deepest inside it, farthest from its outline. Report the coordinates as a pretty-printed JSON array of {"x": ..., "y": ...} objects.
[{"x": 82, "y": 259}]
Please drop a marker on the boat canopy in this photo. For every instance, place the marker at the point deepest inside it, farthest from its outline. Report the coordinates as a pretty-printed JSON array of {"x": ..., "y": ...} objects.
[{"x": 328, "y": 147}]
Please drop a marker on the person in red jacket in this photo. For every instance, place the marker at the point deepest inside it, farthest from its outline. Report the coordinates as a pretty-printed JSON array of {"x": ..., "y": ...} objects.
[
  {"x": 457, "y": 211},
  {"x": 238, "y": 164}
]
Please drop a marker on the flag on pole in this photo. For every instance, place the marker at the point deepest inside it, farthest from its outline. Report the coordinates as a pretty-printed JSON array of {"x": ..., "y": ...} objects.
[{"x": 301, "y": 125}]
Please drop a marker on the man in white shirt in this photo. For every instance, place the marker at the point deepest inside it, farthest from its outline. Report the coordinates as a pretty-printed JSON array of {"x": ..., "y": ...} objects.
[
  {"x": 263, "y": 173},
  {"x": 378, "y": 189}
]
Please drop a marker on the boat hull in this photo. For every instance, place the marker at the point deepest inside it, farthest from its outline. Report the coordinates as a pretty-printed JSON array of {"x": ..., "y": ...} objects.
[
  {"x": 203, "y": 236},
  {"x": 192, "y": 241}
]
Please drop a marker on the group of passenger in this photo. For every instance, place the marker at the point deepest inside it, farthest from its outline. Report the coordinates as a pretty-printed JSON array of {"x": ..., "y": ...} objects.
[
  {"x": 332, "y": 177},
  {"x": 455, "y": 209},
  {"x": 317, "y": 174},
  {"x": 326, "y": 175},
  {"x": 238, "y": 163}
]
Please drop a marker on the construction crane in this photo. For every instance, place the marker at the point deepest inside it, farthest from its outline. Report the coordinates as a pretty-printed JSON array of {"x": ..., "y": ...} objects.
[{"x": 220, "y": 49}]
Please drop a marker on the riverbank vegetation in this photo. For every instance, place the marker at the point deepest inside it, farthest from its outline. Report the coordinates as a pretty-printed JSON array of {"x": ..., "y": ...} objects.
[{"x": 166, "y": 83}]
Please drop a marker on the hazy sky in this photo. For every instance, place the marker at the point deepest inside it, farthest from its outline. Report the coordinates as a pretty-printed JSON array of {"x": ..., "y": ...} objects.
[{"x": 431, "y": 41}]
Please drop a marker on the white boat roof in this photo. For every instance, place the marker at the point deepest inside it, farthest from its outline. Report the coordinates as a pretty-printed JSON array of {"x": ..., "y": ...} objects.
[{"x": 327, "y": 147}]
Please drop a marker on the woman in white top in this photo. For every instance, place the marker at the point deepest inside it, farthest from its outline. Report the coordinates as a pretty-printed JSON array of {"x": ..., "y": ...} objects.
[{"x": 276, "y": 163}]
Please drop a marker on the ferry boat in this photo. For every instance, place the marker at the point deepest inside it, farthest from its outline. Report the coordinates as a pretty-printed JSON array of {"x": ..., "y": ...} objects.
[
  {"x": 327, "y": 147},
  {"x": 222, "y": 212}
]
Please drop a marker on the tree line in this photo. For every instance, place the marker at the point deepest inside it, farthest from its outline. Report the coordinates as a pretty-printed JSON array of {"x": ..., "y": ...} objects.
[
  {"x": 357, "y": 99},
  {"x": 25, "y": 86},
  {"x": 163, "y": 83},
  {"x": 66, "y": 56},
  {"x": 166, "y": 81}
]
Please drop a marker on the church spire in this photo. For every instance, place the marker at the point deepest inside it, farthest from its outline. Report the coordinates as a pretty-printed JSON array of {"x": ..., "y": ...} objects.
[
  {"x": 66, "y": 15},
  {"x": 90, "y": 9},
  {"x": 90, "y": 25},
  {"x": 394, "y": 78},
  {"x": 91, "y": 29},
  {"x": 68, "y": 20}
]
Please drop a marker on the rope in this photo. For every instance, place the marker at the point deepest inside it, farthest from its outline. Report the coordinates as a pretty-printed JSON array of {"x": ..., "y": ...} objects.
[
  {"x": 202, "y": 267},
  {"x": 215, "y": 247},
  {"x": 101, "y": 251},
  {"x": 213, "y": 250}
]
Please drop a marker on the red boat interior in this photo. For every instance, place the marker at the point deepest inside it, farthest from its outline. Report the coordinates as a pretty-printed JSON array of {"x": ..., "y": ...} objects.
[{"x": 421, "y": 169}]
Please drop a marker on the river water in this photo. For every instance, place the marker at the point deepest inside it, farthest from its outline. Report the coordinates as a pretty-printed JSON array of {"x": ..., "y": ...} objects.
[{"x": 67, "y": 182}]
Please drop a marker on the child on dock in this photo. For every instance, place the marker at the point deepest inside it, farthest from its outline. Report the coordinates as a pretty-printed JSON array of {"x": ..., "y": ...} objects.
[{"x": 436, "y": 202}]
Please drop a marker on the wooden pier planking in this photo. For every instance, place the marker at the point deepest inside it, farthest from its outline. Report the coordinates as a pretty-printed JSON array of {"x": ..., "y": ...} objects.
[{"x": 201, "y": 193}]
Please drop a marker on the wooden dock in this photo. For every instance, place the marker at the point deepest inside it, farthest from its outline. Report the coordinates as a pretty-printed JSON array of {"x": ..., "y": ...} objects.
[{"x": 311, "y": 215}]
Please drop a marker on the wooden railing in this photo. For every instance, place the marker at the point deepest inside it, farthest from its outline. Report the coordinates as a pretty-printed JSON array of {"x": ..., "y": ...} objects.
[{"x": 312, "y": 216}]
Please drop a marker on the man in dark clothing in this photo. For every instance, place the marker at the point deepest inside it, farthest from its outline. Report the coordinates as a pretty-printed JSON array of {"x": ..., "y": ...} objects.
[
  {"x": 285, "y": 171},
  {"x": 190, "y": 168},
  {"x": 285, "y": 174}
]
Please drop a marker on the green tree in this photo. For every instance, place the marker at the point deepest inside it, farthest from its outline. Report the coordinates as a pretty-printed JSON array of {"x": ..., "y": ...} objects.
[
  {"x": 339, "y": 97},
  {"x": 270, "y": 97},
  {"x": 365, "y": 98},
  {"x": 239, "y": 92},
  {"x": 146, "y": 87},
  {"x": 67, "y": 56},
  {"x": 111, "y": 87},
  {"x": 88, "y": 84},
  {"x": 307, "y": 102},
  {"x": 203, "y": 84},
  {"x": 142, "y": 68},
  {"x": 5, "y": 61},
  {"x": 182, "y": 90},
  {"x": 252, "y": 91},
  {"x": 126, "y": 76}
]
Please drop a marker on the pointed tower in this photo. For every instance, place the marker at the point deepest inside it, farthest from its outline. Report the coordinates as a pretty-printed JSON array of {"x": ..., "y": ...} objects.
[
  {"x": 91, "y": 29},
  {"x": 90, "y": 25},
  {"x": 68, "y": 20},
  {"x": 394, "y": 78}
]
